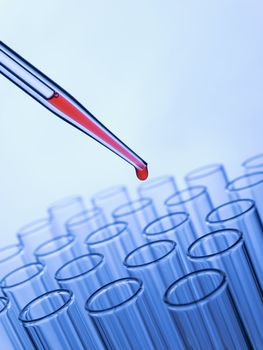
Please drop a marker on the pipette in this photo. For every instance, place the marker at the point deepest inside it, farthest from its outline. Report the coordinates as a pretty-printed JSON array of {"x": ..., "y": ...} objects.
[{"x": 61, "y": 103}]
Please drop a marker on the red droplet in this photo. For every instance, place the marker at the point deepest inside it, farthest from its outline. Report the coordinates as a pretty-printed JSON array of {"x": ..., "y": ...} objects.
[{"x": 142, "y": 174}]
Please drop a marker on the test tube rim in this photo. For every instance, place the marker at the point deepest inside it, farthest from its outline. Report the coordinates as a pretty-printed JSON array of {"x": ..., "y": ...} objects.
[
  {"x": 251, "y": 207},
  {"x": 40, "y": 255},
  {"x": 107, "y": 192},
  {"x": 207, "y": 256},
  {"x": 36, "y": 264},
  {"x": 242, "y": 177},
  {"x": 155, "y": 182},
  {"x": 63, "y": 202},
  {"x": 6, "y": 304},
  {"x": 124, "y": 228},
  {"x": 214, "y": 168},
  {"x": 129, "y": 266},
  {"x": 117, "y": 306},
  {"x": 22, "y": 318},
  {"x": 22, "y": 233},
  {"x": 147, "y": 201},
  {"x": 61, "y": 279},
  {"x": 165, "y": 217},
  {"x": 71, "y": 224},
  {"x": 221, "y": 285},
  {"x": 251, "y": 159},
  {"x": 18, "y": 251},
  {"x": 202, "y": 190}
]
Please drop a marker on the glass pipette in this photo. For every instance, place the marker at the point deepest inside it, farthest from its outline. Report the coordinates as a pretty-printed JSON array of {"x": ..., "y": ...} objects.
[{"x": 61, "y": 103}]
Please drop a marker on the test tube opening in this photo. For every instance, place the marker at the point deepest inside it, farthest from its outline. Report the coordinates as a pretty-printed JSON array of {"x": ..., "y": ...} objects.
[
  {"x": 166, "y": 223},
  {"x": 106, "y": 233},
  {"x": 21, "y": 275},
  {"x": 54, "y": 245}
]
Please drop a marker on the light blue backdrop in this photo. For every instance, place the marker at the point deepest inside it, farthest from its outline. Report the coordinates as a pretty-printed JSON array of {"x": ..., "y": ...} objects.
[{"x": 181, "y": 82}]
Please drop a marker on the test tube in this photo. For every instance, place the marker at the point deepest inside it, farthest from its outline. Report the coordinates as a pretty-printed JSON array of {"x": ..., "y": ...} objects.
[
  {"x": 53, "y": 321},
  {"x": 34, "y": 234},
  {"x": 214, "y": 178},
  {"x": 158, "y": 264},
  {"x": 81, "y": 225},
  {"x": 253, "y": 164},
  {"x": 225, "y": 250},
  {"x": 54, "y": 253},
  {"x": 11, "y": 257},
  {"x": 26, "y": 283},
  {"x": 111, "y": 198},
  {"x": 249, "y": 186},
  {"x": 114, "y": 242},
  {"x": 241, "y": 214},
  {"x": 64, "y": 209},
  {"x": 12, "y": 334},
  {"x": 121, "y": 313},
  {"x": 204, "y": 312},
  {"x": 83, "y": 276},
  {"x": 193, "y": 200},
  {"x": 158, "y": 189},
  {"x": 137, "y": 214},
  {"x": 176, "y": 227}
]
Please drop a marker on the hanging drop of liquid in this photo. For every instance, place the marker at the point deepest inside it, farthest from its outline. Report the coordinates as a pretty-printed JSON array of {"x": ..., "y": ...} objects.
[{"x": 142, "y": 174}]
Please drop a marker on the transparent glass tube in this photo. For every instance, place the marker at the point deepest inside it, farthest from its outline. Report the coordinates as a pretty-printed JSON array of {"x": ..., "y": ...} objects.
[
  {"x": 64, "y": 209},
  {"x": 193, "y": 200},
  {"x": 12, "y": 334},
  {"x": 176, "y": 227},
  {"x": 53, "y": 321},
  {"x": 158, "y": 189},
  {"x": 81, "y": 225},
  {"x": 158, "y": 264},
  {"x": 83, "y": 276},
  {"x": 137, "y": 214},
  {"x": 225, "y": 250},
  {"x": 249, "y": 186},
  {"x": 254, "y": 163},
  {"x": 114, "y": 242},
  {"x": 26, "y": 283},
  {"x": 214, "y": 178},
  {"x": 34, "y": 234},
  {"x": 11, "y": 257},
  {"x": 204, "y": 313},
  {"x": 54, "y": 253},
  {"x": 121, "y": 313},
  {"x": 111, "y": 198},
  {"x": 242, "y": 215}
]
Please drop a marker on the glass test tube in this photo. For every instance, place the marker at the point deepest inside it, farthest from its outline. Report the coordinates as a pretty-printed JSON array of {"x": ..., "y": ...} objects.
[
  {"x": 53, "y": 321},
  {"x": 214, "y": 178},
  {"x": 83, "y": 276},
  {"x": 225, "y": 250},
  {"x": 111, "y": 198},
  {"x": 34, "y": 234},
  {"x": 158, "y": 264},
  {"x": 11, "y": 257},
  {"x": 176, "y": 227},
  {"x": 158, "y": 189},
  {"x": 64, "y": 209},
  {"x": 81, "y": 225},
  {"x": 204, "y": 313},
  {"x": 137, "y": 214},
  {"x": 242, "y": 215},
  {"x": 254, "y": 163},
  {"x": 121, "y": 313},
  {"x": 114, "y": 242},
  {"x": 249, "y": 186},
  {"x": 193, "y": 200},
  {"x": 12, "y": 334},
  {"x": 54, "y": 253},
  {"x": 26, "y": 283}
]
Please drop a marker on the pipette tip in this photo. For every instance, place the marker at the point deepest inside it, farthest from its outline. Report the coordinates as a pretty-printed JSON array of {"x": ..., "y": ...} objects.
[{"x": 142, "y": 174}]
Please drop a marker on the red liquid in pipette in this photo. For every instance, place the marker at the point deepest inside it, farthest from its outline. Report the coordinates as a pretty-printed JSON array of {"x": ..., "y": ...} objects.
[{"x": 73, "y": 112}]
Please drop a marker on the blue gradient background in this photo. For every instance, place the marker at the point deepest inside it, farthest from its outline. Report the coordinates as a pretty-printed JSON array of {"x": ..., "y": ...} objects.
[{"x": 181, "y": 82}]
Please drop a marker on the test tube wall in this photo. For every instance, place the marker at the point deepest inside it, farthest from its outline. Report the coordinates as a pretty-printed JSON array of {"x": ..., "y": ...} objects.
[{"x": 126, "y": 292}]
